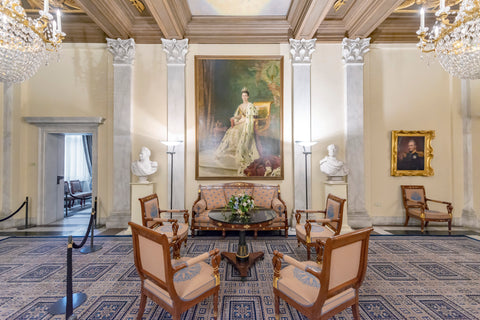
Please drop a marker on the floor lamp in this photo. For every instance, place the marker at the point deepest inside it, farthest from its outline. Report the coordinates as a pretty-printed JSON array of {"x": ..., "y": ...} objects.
[
  {"x": 305, "y": 145},
  {"x": 172, "y": 144}
]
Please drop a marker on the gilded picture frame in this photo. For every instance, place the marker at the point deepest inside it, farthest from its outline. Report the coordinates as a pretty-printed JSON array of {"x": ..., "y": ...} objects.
[
  {"x": 239, "y": 139},
  {"x": 412, "y": 153}
]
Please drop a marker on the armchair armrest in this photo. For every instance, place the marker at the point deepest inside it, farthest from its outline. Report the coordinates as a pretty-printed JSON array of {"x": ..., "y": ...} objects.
[
  {"x": 298, "y": 214},
  {"x": 294, "y": 262},
  {"x": 278, "y": 206},
  {"x": 215, "y": 261},
  {"x": 448, "y": 204},
  {"x": 185, "y": 213},
  {"x": 199, "y": 207},
  {"x": 322, "y": 220}
]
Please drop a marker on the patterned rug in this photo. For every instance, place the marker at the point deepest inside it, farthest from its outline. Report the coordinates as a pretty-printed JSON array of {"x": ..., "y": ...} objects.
[{"x": 408, "y": 277}]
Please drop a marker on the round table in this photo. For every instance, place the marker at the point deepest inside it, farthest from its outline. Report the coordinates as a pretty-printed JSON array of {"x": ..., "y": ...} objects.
[{"x": 242, "y": 260}]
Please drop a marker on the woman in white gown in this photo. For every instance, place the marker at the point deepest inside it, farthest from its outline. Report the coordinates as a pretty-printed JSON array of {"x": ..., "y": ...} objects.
[{"x": 237, "y": 148}]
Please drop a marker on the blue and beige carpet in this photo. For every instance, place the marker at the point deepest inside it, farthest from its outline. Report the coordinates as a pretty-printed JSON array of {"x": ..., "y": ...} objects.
[{"x": 408, "y": 277}]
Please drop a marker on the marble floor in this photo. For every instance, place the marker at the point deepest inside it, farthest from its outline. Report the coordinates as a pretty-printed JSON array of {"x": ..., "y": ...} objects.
[{"x": 77, "y": 222}]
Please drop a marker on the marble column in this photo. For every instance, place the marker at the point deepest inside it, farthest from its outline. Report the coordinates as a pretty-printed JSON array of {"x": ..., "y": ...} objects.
[
  {"x": 7, "y": 151},
  {"x": 301, "y": 53},
  {"x": 123, "y": 52},
  {"x": 469, "y": 217},
  {"x": 176, "y": 51},
  {"x": 353, "y": 51}
]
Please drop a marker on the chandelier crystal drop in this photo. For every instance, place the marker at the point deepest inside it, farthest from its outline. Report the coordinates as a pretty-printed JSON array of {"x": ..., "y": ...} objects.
[
  {"x": 25, "y": 43},
  {"x": 454, "y": 40}
]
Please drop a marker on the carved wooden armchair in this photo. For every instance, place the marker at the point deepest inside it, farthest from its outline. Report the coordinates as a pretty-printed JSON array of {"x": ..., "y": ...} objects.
[
  {"x": 314, "y": 229},
  {"x": 175, "y": 285},
  {"x": 415, "y": 203},
  {"x": 319, "y": 291},
  {"x": 177, "y": 233}
]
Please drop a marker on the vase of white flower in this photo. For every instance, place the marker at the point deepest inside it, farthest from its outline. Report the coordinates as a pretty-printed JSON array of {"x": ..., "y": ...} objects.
[{"x": 240, "y": 205}]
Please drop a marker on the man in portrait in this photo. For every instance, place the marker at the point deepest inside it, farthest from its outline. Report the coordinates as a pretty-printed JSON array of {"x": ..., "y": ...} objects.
[{"x": 412, "y": 159}]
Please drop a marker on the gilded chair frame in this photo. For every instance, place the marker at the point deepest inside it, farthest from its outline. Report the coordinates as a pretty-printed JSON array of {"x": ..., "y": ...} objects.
[
  {"x": 426, "y": 215},
  {"x": 178, "y": 305},
  {"x": 152, "y": 223},
  {"x": 333, "y": 225},
  {"x": 325, "y": 275}
]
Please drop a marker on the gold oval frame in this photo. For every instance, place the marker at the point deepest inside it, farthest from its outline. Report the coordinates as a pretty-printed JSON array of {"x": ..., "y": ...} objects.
[{"x": 428, "y": 152}]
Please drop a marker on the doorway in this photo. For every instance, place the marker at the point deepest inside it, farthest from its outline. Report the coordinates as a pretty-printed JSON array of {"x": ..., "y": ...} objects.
[{"x": 51, "y": 159}]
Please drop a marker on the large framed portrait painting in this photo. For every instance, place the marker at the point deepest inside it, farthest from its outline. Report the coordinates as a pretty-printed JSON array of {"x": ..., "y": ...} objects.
[
  {"x": 412, "y": 153},
  {"x": 239, "y": 116}
]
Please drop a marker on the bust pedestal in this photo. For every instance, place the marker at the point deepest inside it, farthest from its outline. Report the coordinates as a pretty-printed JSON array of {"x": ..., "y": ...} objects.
[
  {"x": 339, "y": 189},
  {"x": 138, "y": 190}
]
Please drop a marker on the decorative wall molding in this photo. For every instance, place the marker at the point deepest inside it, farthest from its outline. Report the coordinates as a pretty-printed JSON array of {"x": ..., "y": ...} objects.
[{"x": 123, "y": 51}]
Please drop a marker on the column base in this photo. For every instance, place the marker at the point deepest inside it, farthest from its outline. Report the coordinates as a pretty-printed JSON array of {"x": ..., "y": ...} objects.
[
  {"x": 118, "y": 220},
  {"x": 469, "y": 218},
  {"x": 359, "y": 219}
]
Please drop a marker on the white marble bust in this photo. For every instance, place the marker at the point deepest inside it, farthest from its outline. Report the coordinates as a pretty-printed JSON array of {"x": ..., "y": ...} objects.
[
  {"x": 143, "y": 167},
  {"x": 331, "y": 166}
]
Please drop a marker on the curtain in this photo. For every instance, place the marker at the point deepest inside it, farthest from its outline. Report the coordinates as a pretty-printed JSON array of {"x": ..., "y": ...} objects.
[
  {"x": 87, "y": 148},
  {"x": 76, "y": 167}
]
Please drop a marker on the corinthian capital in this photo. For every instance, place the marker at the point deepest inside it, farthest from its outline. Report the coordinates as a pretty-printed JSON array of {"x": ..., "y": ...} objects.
[
  {"x": 353, "y": 50},
  {"x": 176, "y": 50},
  {"x": 123, "y": 51},
  {"x": 301, "y": 50}
]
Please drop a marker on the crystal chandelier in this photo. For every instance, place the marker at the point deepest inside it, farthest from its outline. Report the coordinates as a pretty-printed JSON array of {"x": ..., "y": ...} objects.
[
  {"x": 454, "y": 38},
  {"x": 26, "y": 43}
]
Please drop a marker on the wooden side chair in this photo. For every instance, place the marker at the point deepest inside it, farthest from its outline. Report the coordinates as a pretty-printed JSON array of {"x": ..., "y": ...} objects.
[
  {"x": 78, "y": 193},
  {"x": 321, "y": 291},
  {"x": 319, "y": 229},
  {"x": 415, "y": 203},
  {"x": 175, "y": 285},
  {"x": 177, "y": 233}
]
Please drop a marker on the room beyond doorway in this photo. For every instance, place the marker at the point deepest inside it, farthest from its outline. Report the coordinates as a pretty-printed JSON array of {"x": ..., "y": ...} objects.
[{"x": 77, "y": 174}]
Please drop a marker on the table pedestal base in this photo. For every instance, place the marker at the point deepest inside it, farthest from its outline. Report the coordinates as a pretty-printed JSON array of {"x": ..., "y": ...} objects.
[{"x": 242, "y": 266}]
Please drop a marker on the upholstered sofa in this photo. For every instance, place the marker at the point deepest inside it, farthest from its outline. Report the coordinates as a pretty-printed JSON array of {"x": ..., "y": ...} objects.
[{"x": 217, "y": 196}]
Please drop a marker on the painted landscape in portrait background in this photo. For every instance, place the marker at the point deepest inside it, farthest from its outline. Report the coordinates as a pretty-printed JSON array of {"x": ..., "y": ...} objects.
[{"x": 218, "y": 83}]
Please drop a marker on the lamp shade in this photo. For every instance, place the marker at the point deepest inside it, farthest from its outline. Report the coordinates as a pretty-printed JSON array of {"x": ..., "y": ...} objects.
[
  {"x": 170, "y": 143},
  {"x": 306, "y": 143}
]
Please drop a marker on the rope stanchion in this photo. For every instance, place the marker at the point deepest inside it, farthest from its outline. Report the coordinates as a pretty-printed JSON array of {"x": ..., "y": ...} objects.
[
  {"x": 92, "y": 247},
  {"x": 70, "y": 301},
  {"x": 24, "y": 204}
]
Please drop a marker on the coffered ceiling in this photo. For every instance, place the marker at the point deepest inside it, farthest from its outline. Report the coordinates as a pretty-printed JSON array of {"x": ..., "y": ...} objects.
[{"x": 238, "y": 21}]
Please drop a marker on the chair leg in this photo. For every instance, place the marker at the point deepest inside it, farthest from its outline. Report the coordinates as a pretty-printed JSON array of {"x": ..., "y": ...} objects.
[
  {"x": 308, "y": 252},
  {"x": 356, "y": 311},
  {"x": 426, "y": 223},
  {"x": 449, "y": 226},
  {"x": 215, "y": 305},
  {"x": 406, "y": 220},
  {"x": 422, "y": 225},
  {"x": 277, "y": 307},
  {"x": 223, "y": 234},
  {"x": 141, "y": 308},
  {"x": 255, "y": 233}
]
